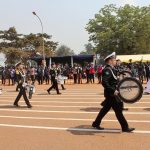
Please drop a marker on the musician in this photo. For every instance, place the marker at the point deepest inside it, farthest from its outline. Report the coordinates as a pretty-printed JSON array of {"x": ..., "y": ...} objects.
[
  {"x": 109, "y": 82},
  {"x": 60, "y": 76},
  {"x": 141, "y": 72},
  {"x": 17, "y": 78},
  {"x": 21, "y": 86},
  {"x": 53, "y": 73}
]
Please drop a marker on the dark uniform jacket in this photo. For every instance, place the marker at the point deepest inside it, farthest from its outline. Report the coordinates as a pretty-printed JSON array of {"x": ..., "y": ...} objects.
[
  {"x": 53, "y": 73},
  {"x": 21, "y": 78},
  {"x": 109, "y": 81}
]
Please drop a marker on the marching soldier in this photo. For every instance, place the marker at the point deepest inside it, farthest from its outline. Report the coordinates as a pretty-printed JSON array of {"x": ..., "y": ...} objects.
[
  {"x": 53, "y": 73},
  {"x": 60, "y": 77},
  {"x": 17, "y": 78},
  {"x": 109, "y": 82},
  {"x": 21, "y": 85}
]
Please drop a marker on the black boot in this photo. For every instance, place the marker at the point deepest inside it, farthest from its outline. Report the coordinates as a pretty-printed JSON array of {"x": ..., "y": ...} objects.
[
  {"x": 128, "y": 130},
  {"x": 97, "y": 127}
]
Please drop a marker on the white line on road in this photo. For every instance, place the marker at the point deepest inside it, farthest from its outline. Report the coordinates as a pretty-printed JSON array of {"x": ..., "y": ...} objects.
[
  {"x": 71, "y": 129},
  {"x": 56, "y": 106},
  {"x": 58, "y": 98},
  {"x": 76, "y": 94},
  {"x": 69, "y": 112},
  {"x": 63, "y": 95},
  {"x": 69, "y": 102},
  {"x": 70, "y": 119},
  {"x": 65, "y": 102}
]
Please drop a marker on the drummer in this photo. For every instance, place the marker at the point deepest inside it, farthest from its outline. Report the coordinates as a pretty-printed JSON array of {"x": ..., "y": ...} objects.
[
  {"x": 22, "y": 86},
  {"x": 109, "y": 82}
]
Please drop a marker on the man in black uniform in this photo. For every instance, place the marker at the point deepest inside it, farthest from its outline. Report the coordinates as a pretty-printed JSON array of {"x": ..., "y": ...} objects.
[
  {"x": 17, "y": 78},
  {"x": 40, "y": 73},
  {"x": 109, "y": 82},
  {"x": 141, "y": 72},
  {"x": 88, "y": 73},
  {"x": 53, "y": 73},
  {"x": 21, "y": 85}
]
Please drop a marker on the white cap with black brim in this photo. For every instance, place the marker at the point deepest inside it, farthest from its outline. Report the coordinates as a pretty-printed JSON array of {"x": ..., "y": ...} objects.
[
  {"x": 113, "y": 55},
  {"x": 19, "y": 63}
]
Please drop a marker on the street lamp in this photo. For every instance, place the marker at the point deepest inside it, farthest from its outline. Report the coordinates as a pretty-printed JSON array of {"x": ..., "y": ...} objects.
[{"x": 34, "y": 13}]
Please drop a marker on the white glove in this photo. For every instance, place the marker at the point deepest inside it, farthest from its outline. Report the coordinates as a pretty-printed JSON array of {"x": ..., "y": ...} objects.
[
  {"x": 24, "y": 84},
  {"x": 116, "y": 93}
]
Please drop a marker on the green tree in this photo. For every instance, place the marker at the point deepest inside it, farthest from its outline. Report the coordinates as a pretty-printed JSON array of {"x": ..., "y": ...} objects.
[
  {"x": 125, "y": 30},
  {"x": 12, "y": 53},
  {"x": 34, "y": 43},
  {"x": 18, "y": 46},
  {"x": 89, "y": 49},
  {"x": 63, "y": 50}
]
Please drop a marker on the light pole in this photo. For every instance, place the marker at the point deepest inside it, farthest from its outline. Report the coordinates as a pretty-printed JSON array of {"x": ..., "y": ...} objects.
[{"x": 43, "y": 50}]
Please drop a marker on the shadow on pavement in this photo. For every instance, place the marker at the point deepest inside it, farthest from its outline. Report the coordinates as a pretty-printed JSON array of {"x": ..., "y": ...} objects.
[
  {"x": 46, "y": 93},
  {"x": 42, "y": 94},
  {"x": 11, "y": 106},
  {"x": 91, "y": 109},
  {"x": 88, "y": 130},
  {"x": 13, "y": 91},
  {"x": 147, "y": 109}
]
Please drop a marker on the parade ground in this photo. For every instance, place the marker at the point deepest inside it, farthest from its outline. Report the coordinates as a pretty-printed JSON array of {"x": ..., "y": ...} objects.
[{"x": 63, "y": 122}]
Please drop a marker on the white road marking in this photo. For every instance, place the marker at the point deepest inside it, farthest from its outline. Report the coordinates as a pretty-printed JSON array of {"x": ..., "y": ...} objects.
[
  {"x": 63, "y": 95},
  {"x": 70, "y": 119},
  {"x": 54, "y": 94},
  {"x": 69, "y": 102},
  {"x": 56, "y": 106},
  {"x": 57, "y": 128},
  {"x": 71, "y": 129},
  {"x": 69, "y": 112},
  {"x": 65, "y": 102},
  {"x": 58, "y": 98}
]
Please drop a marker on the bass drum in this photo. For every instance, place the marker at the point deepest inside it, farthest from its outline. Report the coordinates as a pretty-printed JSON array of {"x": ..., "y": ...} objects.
[
  {"x": 125, "y": 74},
  {"x": 130, "y": 90}
]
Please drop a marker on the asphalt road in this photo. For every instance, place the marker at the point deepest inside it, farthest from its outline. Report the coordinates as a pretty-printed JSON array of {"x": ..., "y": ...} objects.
[{"x": 63, "y": 122}]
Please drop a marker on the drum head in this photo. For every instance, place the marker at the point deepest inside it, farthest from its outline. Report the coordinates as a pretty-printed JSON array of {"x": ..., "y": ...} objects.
[
  {"x": 125, "y": 74},
  {"x": 130, "y": 90}
]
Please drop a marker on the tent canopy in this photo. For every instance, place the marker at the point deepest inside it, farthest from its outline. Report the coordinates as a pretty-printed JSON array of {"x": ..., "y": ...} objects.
[
  {"x": 65, "y": 59},
  {"x": 135, "y": 58}
]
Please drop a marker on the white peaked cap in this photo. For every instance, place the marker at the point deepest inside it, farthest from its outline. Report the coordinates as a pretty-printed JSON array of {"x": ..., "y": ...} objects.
[
  {"x": 113, "y": 55},
  {"x": 17, "y": 64}
]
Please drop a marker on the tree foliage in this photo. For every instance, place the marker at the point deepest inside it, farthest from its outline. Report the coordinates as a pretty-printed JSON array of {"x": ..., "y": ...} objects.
[
  {"x": 16, "y": 46},
  {"x": 89, "y": 49},
  {"x": 63, "y": 50},
  {"x": 125, "y": 30}
]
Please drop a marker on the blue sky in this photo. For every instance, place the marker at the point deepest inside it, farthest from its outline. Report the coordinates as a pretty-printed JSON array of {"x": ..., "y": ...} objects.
[{"x": 65, "y": 20}]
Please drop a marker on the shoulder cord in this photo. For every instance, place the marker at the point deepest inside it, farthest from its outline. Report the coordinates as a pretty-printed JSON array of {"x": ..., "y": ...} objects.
[
  {"x": 22, "y": 75},
  {"x": 112, "y": 73}
]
